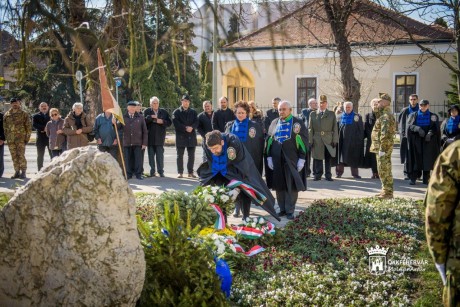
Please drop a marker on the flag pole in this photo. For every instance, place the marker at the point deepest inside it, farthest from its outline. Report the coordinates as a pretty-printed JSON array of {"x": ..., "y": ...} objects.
[{"x": 121, "y": 152}]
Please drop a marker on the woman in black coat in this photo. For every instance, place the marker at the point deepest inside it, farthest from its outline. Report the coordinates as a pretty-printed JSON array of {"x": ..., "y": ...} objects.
[
  {"x": 250, "y": 134},
  {"x": 450, "y": 127},
  {"x": 370, "y": 160}
]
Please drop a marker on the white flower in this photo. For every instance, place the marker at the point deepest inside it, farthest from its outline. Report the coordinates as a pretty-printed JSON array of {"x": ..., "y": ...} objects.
[
  {"x": 209, "y": 198},
  {"x": 224, "y": 198},
  {"x": 261, "y": 220},
  {"x": 254, "y": 224}
]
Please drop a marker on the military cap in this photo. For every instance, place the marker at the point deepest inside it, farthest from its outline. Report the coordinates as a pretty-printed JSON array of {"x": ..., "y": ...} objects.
[
  {"x": 452, "y": 107},
  {"x": 423, "y": 102},
  {"x": 185, "y": 97},
  {"x": 322, "y": 98},
  {"x": 14, "y": 99},
  {"x": 384, "y": 96},
  {"x": 132, "y": 103}
]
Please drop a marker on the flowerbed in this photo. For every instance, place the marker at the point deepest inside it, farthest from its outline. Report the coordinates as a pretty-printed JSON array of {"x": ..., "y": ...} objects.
[
  {"x": 321, "y": 258},
  {"x": 324, "y": 261}
]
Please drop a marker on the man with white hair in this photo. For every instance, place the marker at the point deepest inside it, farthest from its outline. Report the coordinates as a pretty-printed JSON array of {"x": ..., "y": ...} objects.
[
  {"x": 351, "y": 140},
  {"x": 157, "y": 120},
  {"x": 305, "y": 116},
  {"x": 286, "y": 154}
]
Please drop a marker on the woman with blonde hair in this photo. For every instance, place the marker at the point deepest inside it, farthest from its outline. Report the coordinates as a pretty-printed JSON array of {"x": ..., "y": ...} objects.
[
  {"x": 55, "y": 134},
  {"x": 254, "y": 113}
]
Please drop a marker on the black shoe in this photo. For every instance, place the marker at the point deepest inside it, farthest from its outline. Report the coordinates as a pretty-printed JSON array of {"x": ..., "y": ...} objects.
[
  {"x": 412, "y": 182},
  {"x": 23, "y": 175},
  {"x": 316, "y": 179},
  {"x": 162, "y": 175},
  {"x": 357, "y": 177},
  {"x": 282, "y": 213},
  {"x": 329, "y": 179},
  {"x": 425, "y": 181},
  {"x": 338, "y": 176},
  {"x": 290, "y": 216},
  {"x": 139, "y": 177},
  {"x": 153, "y": 175},
  {"x": 129, "y": 177},
  {"x": 236, "y": 213},
  {"x": 406, "y": 178},
  {"x": 16, "y": 175}
]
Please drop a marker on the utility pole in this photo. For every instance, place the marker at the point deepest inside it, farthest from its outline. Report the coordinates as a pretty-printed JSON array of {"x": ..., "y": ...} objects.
[{"x": 214, "y": 58}]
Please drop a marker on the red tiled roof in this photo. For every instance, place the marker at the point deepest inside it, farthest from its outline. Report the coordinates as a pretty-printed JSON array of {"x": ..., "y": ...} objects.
[{"x": 368, "y": 23}]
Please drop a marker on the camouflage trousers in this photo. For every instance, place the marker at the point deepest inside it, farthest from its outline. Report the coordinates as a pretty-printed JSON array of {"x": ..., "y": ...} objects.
[
  {"x": 384, "y": 169},
  {"x": 18, "y": 155},
  {"x": 451, "y": 293}
]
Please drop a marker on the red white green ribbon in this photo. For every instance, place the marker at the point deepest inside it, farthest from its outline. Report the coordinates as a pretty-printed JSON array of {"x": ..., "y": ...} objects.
[
  {"x": 257, "y": 197},
  {"x": 220, "y": 222},
  {"x": 252, "y": 252},
  {"x": 248, "y": 232}
]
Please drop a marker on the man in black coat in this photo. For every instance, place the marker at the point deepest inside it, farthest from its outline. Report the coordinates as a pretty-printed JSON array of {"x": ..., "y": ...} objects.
[
  {"x": 185, "y": 120},
  {"x": 305, "y": 116},
  {"x": 423, "y": 139},
  {"x": 227, "y": 159},
  {"x": 2, "y": 145},
  {"x": 271, "y": 114},
  {"x": 351, "y": 137},
  {"x": 402, "y": 127},
  {"x": 222, "y": 116},
  {"x": 204, "y": 120},
  {"x": 286, "y": 153},
  {"x": 370, "y": 160},
  {"x": 39, "y": 121},
  {"x": 135, "y": 139},
  {"x": 157, "y": 120}
]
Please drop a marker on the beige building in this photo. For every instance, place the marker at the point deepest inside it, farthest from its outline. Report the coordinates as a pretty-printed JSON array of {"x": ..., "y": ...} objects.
[{"x": 292, "y": 59}]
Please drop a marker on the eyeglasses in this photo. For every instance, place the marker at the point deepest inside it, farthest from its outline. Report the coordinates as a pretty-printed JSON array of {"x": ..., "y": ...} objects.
[
  {"x": 55, "y": 114},
  {"x": 413, "y": 99}
]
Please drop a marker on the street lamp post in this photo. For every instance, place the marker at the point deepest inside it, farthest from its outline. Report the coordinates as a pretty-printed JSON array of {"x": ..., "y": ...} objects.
[
  {"x": 117, "y": 84},
  {"x": 79, "y": 77},
  {"x": 214, "y": 57}
]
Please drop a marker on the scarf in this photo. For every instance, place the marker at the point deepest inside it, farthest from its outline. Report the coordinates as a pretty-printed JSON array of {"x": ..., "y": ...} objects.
[
  {"x": 78, "y": 123},
  {"x": 452, "y": 124},
  {"x": 240, "y": 129},
  {"x": 283, "y": 129},
  {"x": 423, "y": 119},
  {"x": 347, "y": 119},
  {"x": 219, "y": 163},
  {"x": 414, "y": 109}
]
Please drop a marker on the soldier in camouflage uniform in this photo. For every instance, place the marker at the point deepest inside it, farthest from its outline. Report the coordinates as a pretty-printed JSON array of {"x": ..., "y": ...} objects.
[
  {"x": 18, "y": 128},
  {"x": 382, "y": 144},
  {"x": 443, "y": 221}
]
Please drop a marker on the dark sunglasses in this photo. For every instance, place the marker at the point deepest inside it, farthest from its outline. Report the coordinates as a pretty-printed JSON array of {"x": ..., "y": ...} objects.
[{"x": 55, "y": 114}]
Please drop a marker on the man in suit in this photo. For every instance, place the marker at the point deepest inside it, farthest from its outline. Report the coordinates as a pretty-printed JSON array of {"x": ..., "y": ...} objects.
[
  {"x": 272, "y": 113},
  {"x": 323, "y": 138}
]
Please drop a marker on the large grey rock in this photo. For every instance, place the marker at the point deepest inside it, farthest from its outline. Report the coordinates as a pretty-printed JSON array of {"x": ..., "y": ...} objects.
[{"x": 69, "y": 237}]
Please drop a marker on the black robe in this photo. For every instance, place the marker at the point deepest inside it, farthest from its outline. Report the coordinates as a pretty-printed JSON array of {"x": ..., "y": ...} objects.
[
  {"x": 39, "y": 121},
  {"x": 369, "y": 157},
  {"x": 446, "y": 135},
  {"x": 422, "y": 154},
  {"x": 220, "y": 118},
  {"x": 254, "y": 142},
  {"x": 241, "y": 168},
  {"x": 402, "y": 128},
  {"x": 285, "y": 155},
  {"x": 350, "y": 149}
]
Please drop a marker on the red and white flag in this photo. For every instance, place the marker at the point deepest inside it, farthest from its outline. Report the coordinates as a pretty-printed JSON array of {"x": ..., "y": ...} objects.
[{"x": 109, "y": 103}]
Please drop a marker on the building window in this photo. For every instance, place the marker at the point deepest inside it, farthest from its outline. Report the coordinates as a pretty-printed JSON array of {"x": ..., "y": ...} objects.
[
  {"x": 405, "y": 85},
  {"x": 306, "y": 89}
]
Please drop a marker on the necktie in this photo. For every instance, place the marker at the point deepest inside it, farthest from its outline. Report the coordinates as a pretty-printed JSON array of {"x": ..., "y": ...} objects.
[{"x": 322, "y": 113}]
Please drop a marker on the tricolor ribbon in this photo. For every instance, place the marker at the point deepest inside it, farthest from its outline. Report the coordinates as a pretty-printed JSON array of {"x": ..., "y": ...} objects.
[
  {"x": 248, "y": 232},
  {"x": 252, "y": 252},
  {"x": 257, "y": 197},
  {"x": 220, "y": 222}
]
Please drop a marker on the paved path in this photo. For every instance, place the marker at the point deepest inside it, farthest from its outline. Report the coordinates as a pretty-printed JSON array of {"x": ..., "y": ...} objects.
[{"x": 344, "y": 187}]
